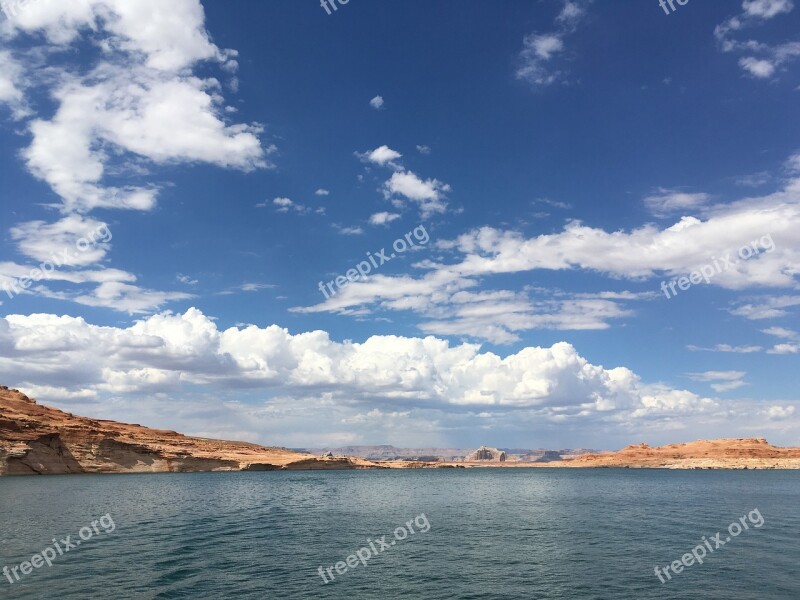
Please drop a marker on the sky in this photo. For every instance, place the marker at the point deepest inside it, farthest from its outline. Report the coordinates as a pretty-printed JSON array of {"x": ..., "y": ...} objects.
[{"x": 558, "y": 223}]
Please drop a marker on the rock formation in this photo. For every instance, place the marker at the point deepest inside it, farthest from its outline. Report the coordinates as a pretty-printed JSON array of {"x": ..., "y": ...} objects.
[{"x": 486, "y": 454}]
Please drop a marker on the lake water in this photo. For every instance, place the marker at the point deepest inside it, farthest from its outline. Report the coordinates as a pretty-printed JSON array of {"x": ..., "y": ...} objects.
[{"x": 491, "y": 533}]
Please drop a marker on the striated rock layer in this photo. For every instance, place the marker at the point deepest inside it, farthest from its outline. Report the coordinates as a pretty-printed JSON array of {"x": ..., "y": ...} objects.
[
  {"x": 734, "y": 453},
  {"x": 36, "y": 439}
]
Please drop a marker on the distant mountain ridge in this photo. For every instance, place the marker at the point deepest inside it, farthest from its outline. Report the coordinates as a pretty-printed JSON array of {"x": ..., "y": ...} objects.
[{"x": 389, "y": 452}]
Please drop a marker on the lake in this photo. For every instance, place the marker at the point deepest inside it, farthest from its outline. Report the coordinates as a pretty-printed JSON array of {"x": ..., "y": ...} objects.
[{"x": 449, "y": 533}]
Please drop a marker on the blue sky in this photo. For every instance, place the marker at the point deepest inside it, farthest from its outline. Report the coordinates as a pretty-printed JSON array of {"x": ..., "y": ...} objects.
[{"x": 202, "y": 167}]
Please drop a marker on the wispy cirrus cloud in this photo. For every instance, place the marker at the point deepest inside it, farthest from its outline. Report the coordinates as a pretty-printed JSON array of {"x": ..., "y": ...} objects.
[{"x": 542, "y": 56}]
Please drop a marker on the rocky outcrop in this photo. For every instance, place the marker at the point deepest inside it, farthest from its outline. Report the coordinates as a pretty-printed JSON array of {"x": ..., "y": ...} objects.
[
  {"x": 486, "y": 454},
  {"x": 732, "y": 453},
  {"x": 39, "y": 440}
]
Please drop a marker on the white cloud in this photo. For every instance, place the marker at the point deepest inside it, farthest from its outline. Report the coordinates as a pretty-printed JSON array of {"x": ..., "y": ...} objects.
[
  {"x": 119, "y": 296},
  {"x": 322, "y": 192},
  {"x": 306, "y": 387},
  {"x": 754, "y": 179},
  {"x": 640, "y": 254},
  {"x": 721, "y": 381},
  {"x": 156, "y": 352},
  {"x": 423, "y": 149},
  {"x": 377, "y": 102},
  {"x": 708, "y": 376},
  {"x": 163, "y": 119},
  {"x": 762, "y": 61},
  {"x": 138, "y": 105},
  {"x": 669, "y": 202},
  {"x": 778, "y": 413},
  {"x": 572, "y": 12},
  {"x": 727, "y": 348},
  {"x": 247, "y": 288},
  {"x": 727, "y": 386},
  {"x": 186, "y": 279},
  {"x": 784, "y": 349},
  {"x": 42, "y": 241},
  {"x": 12, "y": 84},
  {"x": 382, "y": 218},
  {"x": 769, "y": 307},
  {"x": 793, "y": 163},
  {"x": 539, "y": 50},
  {"x": 450, "y": 308},
  {"x": 782, "y": 332},
  {"x": 766, "y": 9},
  {"x": 429, "y": 193},
  {"x": 758, "y": 68},
  {"x": 285, "y": 205},
  {"x": 355, "y": 230},
  {"x": 382, "y": 155}
]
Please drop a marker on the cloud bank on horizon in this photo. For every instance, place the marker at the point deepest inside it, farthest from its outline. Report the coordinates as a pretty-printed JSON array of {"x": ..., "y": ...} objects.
[{"x": 560, "y": 196}]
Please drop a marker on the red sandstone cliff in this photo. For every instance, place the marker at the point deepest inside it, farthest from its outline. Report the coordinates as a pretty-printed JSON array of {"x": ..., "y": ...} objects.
[{"x": 36, "y": 439}]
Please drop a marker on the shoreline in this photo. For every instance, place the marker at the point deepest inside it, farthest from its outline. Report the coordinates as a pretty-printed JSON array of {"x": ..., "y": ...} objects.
[{"x": 41, "y": 440}]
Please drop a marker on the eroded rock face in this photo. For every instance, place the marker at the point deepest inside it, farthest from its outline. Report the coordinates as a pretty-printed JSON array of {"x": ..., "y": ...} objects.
[{"x": 36, "y": 439}]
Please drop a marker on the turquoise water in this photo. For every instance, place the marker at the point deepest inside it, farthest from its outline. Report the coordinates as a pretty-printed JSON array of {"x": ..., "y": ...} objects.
[{"x": 494, "y": 533}]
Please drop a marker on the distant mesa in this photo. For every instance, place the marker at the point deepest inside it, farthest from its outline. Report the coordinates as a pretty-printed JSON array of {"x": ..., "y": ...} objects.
[{"x": 486, "y": 454}]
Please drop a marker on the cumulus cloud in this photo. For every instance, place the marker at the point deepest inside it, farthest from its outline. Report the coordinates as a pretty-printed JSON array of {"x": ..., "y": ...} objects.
[
  {"x": 428, "y": 194},
  {"x": 382, "y": 155},
  {"x": 164, "y": 348},
  {"x": 303, "y": 384},
  {"x": 377, "y": 102},
  {"x": 382, "y": 218}
]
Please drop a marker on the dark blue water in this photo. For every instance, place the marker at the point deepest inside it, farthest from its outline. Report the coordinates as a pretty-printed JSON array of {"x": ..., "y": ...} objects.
[{"x": 494, "y": 533}]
